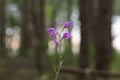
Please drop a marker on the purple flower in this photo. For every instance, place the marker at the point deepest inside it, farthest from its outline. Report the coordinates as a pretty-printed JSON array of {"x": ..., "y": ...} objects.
[
  {"x": 67, "y": 35},
  {"x": 56, "y": 41},
  {"x": 68, "y": 24},
  {"x": 52, "y": 33}
]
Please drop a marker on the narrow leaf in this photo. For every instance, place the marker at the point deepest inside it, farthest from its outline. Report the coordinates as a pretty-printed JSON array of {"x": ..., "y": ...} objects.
[
  {"x": 61, "y": 62},
  {"x": 54, "y": 68}
]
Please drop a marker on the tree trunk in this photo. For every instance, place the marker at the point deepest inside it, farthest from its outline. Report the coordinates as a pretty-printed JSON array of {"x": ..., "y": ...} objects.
[
  {"x": 2, "y": 27},
  {"x": 69, "y": 9},
  {"x": 56, "y": 7},
  {"x": 85, "y": 18},
  {"x": 39, "y": 31},
  {"x": 102, "y": 33},
  {"x": 25, "y": 34},
  {"x": 53, "y": 18}
]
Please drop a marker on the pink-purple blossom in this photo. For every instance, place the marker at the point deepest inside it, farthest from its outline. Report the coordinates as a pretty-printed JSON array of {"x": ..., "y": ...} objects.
[
  {"x": 52, "y": 32},
  {"x": 68, "y": 24},
  {"x": 57, "y": 37},
  {"x": 67, "y": 35}
]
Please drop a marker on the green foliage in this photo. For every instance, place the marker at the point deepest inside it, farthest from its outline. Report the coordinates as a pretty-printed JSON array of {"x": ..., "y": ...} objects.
[
  {"x": 15, "y": 1},
  {"x": 13, "y": 22},
  {"x": 69, "y": 58},
  {"x": 48, "y": 10},
  {"x": 116, "y": 7},
  {"x": 92, "y": 51},
  {"x": 116, "y": 62}
]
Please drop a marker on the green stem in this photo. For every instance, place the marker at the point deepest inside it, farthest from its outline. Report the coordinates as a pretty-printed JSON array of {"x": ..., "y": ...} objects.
[
  {"x": 60, "y": 64},
  {"x": 60, "y": 56},
  {"x": 61, "y": 31}
]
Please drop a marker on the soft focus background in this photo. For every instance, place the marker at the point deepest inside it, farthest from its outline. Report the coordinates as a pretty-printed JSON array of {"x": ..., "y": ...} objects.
[{"x": 28, "y": 53}]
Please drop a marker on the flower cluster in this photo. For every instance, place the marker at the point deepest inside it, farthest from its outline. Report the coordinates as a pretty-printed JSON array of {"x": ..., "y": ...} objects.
[{"x": 66, "y": 35}]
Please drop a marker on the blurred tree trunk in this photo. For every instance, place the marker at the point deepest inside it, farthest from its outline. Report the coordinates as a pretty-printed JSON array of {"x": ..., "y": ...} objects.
[
  {"x": 56, "y": 7},
  {"x": 2, "y": 27},
  {"x": 53, "y": 17},
  {"x": 86, "y": 13},
  {"x": 102, "y": 33},
  {"x": 69, "y": 9},
  {"x": 39, "y": 31},
  {"x": 25, "y": 33}
]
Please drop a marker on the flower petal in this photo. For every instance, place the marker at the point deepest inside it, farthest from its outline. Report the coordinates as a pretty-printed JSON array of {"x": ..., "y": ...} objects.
[
  {"x": 68, "y": 24},
  {"x": 67, "y": 35},
  {"x": 52, "y": 32}
]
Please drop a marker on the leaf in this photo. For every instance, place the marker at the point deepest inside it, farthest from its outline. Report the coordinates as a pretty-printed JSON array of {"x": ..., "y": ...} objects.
[
  {"x": 54, "y": 68},
  {"x": 61, "y": 62}
]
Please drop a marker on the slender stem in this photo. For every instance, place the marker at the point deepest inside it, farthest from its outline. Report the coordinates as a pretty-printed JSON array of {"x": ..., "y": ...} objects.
[
  {"x": 60, "y": 56},
  {"x": 61, "y": 31},
  {"x": 60, "y": 64}
]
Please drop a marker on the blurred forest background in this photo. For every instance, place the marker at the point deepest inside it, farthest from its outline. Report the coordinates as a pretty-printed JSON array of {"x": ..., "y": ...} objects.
[{"x": 27, "y": 52}]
